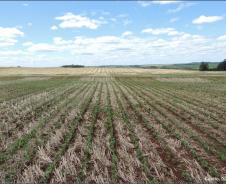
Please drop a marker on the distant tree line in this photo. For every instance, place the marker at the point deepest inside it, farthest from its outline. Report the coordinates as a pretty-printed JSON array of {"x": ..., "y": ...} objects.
[
  {"x": 222, "y": 66},
  {"x": 73, "y": 66},
  {"x": 204, "y": 66}
]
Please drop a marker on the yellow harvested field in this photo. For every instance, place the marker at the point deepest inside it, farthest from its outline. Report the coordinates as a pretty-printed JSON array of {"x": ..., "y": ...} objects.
[{"x": 88, "y": 71}]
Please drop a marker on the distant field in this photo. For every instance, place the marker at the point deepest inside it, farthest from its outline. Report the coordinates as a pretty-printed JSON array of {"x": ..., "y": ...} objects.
[
  {"x": 189, "y": 66},
  {"x": 108, "y": 125},
  {"x": 86, "y": 71}
]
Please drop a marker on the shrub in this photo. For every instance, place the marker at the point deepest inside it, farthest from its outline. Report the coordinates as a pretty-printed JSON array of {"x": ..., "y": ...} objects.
[
  {"x": 72, "y": 66},
  {"x": 204, "y": 66},
  {"x": 222, "y": 66}
]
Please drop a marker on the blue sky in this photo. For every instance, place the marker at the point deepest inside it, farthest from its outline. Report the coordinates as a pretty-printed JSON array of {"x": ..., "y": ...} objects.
[{"x": 40, "y": 34}]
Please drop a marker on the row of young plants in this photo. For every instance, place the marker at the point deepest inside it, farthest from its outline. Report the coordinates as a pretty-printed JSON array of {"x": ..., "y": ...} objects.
[
  {"x": 33, "y": 116},
  {"x": 14, "y": 109},
  {"x": 20, "y": 122},
  {"x": 68, "y": 137},
  {"x": 135, "y": 141},
  {"x": 211, "y": 91},
  {"x": 206, "y": 88},
  {"x": 89, "y": 138},
  {"x": 219, "y": 144},
  {"x": 129, "y": 168},
  {"x": 190, "y": 95},
  {"x": 198, "y": 105},
  {"x": 112, "y": 139},
  {"x": 55, "y": 138},
  {"x": 29, "y": 143},
  {"x": 187, "y": 115},
  {"x": 216, "y": 137},
  {"x": 191, "y": 102},
  {"x": 171, "y": 126},
  {"x": 58, "y": 121},
  {"x": 99, "y": 168},
  {"x": 167, "y": 155},
  {"x": 172, "y": 109},
  {"x": 16, "y": 90},
  {"x": 26, "y": 100},
  {"x": 67, "y": 171}
]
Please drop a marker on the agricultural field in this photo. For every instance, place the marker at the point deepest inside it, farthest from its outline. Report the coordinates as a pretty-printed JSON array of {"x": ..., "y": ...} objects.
[{"x": 101, "y": 125}]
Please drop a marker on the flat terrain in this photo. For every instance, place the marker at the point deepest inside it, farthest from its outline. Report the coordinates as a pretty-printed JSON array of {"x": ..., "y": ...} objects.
[
  {"x": 107, "y": 125},
  {"x": 87, "y": 71}
]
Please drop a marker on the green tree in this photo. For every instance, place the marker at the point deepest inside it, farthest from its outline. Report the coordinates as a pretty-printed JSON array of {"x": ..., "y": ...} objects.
[
  {"x": 204, "y": 66},
  {"x": 222, "y": 66}
]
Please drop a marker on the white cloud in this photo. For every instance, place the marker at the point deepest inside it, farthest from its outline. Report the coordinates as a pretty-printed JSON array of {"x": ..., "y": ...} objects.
[
  {"x": 10, "y": 32},
  {"x": 144, "y": 3},
  {"x": 126, "y": 22},
  {"x": 108, "y": 39},
  {"x": 42, "y": 47},
  {"x": 54, "y": 27},
  {"x": 29, "y": 24},
  {"x": 105, "y": 13},
  {"x": 123, "y": 15},
  {"x": 180, "y": 7},
  {"x": 27, "y": 44},
  {"x": 175, "y": 19},
  {"x": 223, "y": 37},
  {"x": 61, "y": 41},
  {"x": 127, "y": 49},
  {"x": 110, "y": 46},
  {"x": 160, "y": 31},
  {"x": 165, "y": 2},
  {"x": 8, "y": 36},
  {"x": 11, "y": 53},
  {"x": 4, "y": 42},
  {"x": 127, "y": 33},
  {"x": 70, "y": 20},
  {"x": 182, "y": 47},
  {"x": 207, "y": 19},
  {"x": 160, "y": 2}
]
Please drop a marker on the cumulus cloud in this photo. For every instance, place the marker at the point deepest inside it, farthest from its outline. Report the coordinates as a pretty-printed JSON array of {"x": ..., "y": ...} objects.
[
  {"x": 8, "y": 36},
  {"x": 127, "y": 48},
  {"x": 70, "y": 20},
  {"x": 144, "y": 3},
  {"x": 4, "y": 42},
  {"x": 109, "y": 45},
  {"x": 10, "y": 32},
  {"x": 223, "y": 37},
  {"x": 54, "y": 27},
  {"x": 160, "y": 2},
  {"x": 127, "y": 33},
  {"x": 11, "y": 53},
  {"x": 165, "y": 2},
  {"x": 207, "y": 19},
  {"x": 183, "y": 46},
  {"x": 61, "y": 41},
  {"x": 174, "y": 19},
  {"x": 42, "y": 47},
  {"x": 27, "y": 44},
  {"x": 160, "y": 31},
  {"x": 180, "y": 7}
]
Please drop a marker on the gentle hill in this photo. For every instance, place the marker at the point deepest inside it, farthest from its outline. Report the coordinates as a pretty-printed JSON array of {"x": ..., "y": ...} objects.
[
  {"x": 190, "y": 66},
  {"x": 187, "y": 66}
]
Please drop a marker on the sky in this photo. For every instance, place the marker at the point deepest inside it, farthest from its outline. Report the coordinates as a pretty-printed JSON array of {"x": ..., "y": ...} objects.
[{"x": 92, "y": 33}]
